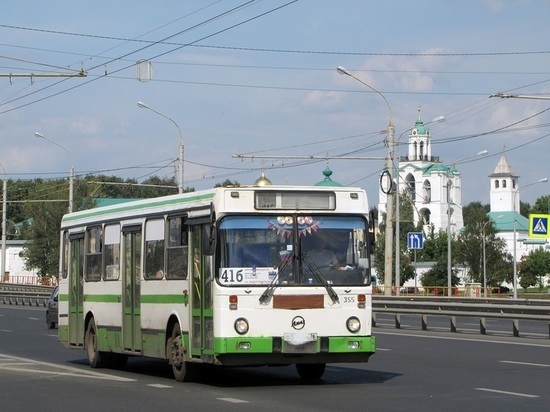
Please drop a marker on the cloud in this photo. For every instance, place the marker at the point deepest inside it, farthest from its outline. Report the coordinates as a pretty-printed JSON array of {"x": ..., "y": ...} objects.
[
  {"x": 322, "y": 99},
  {"x": 496, "y": 6}
]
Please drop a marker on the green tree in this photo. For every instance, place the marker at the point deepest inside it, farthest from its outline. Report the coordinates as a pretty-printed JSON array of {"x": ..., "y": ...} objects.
[
  {"x": 542, "y": 205},
  {"x": 533, "y": 268},
  {"x": 41, "y": 252},
  {"x": 438, "y": 276},
  {"x": 406, "y": 224},
  {"x": 435, "y": 247},
  {"x": 227, "y": 183},
  {"x": 524, "y": 208},
  {"x": 477, "y": 226}
]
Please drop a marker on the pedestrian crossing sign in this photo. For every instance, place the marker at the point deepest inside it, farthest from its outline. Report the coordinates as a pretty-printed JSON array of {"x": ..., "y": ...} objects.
[{"x": 538, "y": 226}]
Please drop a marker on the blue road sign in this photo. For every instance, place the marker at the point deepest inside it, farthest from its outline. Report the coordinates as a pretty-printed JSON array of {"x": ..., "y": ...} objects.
[
  {"x": 538, "y": 225},
  {"x": 415, "y": 240}
]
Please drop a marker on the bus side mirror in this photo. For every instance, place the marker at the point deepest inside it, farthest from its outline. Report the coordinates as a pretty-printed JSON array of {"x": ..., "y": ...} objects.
[
  {"x": 209, "y": 239},
  {"x": 370, "y": 242},
  {"x": 371, "y": 238}
]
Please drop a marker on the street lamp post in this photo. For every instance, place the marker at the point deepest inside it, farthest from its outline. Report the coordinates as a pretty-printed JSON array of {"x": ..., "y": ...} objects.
[
  {"x": 397, "y": 204},
  {"x": 484, "y": 234},
  {"x": 71, "y": 171},
  {"x": 180, "y": 155},
  {"x": 515, "y": 280},
  {"x": 449, "y": 211},
  {"x": 388, "y": 254},
  {"x": 4, "y": 205}
]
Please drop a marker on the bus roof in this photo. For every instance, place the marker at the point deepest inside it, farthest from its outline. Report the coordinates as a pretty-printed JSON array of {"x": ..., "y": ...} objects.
[{"x": 199, "y": 200}]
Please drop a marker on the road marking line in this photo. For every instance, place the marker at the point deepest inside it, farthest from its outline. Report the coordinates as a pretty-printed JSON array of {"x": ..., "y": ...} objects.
[
  {"x": 232, "y": 400},
  {"x": 526, "y": 363},
  {"x": 71, "y": 371},
  {"x": 159, "y": 386},
  {"x": 525, "y": 395},
  {"x": 78, "y": 374}
]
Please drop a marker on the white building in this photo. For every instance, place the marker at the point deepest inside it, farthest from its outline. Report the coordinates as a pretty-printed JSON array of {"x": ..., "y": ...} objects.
[
  {"x": 15, "y": 271},
  {"x": 504, "y": 204},
  {"x": 431, "y": 187}
]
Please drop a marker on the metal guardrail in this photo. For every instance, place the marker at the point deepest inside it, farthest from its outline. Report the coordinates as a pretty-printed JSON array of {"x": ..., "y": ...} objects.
[
  {"x": 24, "y": 295},
  {"x": 481, "y": 308}
]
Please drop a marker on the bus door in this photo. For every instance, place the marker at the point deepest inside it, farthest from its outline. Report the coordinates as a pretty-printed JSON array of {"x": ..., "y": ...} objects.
[
  {"x": 131, "y": 321},
  {"x": 202, "y": 341},
  {"x": 76, "y": 289}
]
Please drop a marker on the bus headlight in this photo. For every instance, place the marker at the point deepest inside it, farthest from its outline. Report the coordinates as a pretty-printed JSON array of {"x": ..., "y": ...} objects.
[
  {"x": 353, "y": 324},
  {"x": 241, "y": 326}
]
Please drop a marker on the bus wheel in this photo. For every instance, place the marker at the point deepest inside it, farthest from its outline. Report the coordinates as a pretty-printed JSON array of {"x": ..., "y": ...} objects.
[
  {"x": 310, "y": 371},
  {"x": 175, "y": 352},
  {"x": 95, "y": 357}
]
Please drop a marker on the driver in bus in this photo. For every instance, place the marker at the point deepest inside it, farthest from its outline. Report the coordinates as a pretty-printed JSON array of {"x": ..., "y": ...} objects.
[{"x": 322, "y": 258}]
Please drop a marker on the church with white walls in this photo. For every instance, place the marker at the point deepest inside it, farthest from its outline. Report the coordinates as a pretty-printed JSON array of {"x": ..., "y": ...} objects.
[
  {"x": 431, "y": 187},
  {"x": 505, "y": 210}
]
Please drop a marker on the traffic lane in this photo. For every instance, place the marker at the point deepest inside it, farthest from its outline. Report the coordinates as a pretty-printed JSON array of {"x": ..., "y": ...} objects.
[
  {"x": 410, "y": 371},
  {"x": 23, "y": 332},
  {"x": 479, "y": 372}
]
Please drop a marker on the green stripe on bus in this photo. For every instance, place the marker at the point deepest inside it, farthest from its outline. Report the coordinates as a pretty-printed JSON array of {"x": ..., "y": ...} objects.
[
  {"x": 337, "y": 344},
  {"x": 231, "y": 345},
  {"x": 103, "y": 298},
  {"x": 165, "y": 299},
  {"x": 149, "y": 299}
]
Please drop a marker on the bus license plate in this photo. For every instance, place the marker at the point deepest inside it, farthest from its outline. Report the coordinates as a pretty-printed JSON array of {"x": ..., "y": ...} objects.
[{"x": 297, "y": 338}]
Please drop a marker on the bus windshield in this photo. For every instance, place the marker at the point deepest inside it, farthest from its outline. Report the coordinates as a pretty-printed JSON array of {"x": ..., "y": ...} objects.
[{"x": 293, "y": 250}]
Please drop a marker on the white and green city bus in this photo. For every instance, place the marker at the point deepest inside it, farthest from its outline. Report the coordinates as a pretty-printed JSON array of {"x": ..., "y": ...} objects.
[{"x": 225, "y": 276}]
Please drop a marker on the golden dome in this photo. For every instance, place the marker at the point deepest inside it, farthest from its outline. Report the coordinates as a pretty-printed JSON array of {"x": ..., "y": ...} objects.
[{"x": 262, "y": 180}]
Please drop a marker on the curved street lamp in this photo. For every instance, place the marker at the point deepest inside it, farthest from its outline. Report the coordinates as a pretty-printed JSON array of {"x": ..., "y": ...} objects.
[
  {"x": 180, "y": 156},
  {"x": 71, "y": 171},
  {"x": 388, "y": 254}
]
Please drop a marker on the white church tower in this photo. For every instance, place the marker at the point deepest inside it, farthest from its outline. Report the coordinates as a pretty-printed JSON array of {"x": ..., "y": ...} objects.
[
  {"x": 505, "y": 211},
  {"x": 504, "y": 182},
  {"x": 431, "y": 187}
]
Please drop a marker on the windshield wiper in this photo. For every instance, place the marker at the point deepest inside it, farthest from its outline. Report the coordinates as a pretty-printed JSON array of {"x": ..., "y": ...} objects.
[
  {"x": 266, "y": 296},
  {"x": 320, "y": 278}
]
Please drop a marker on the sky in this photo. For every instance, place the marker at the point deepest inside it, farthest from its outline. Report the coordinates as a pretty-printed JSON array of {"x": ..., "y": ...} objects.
[{"x": 253, "y": 85}]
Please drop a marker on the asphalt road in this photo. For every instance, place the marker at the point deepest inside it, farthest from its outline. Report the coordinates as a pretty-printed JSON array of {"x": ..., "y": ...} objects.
[{"x": 413, "y": 370}]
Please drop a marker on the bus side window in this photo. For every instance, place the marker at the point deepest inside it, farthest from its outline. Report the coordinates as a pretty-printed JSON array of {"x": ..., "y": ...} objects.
[
  {"x": 154, "y": 259},
  {"x": 93, "y": 254},
  {"x": 154, "y": 249},
  {"x": 111, "y": 252},
  {"x": 177, "y": 249}
]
